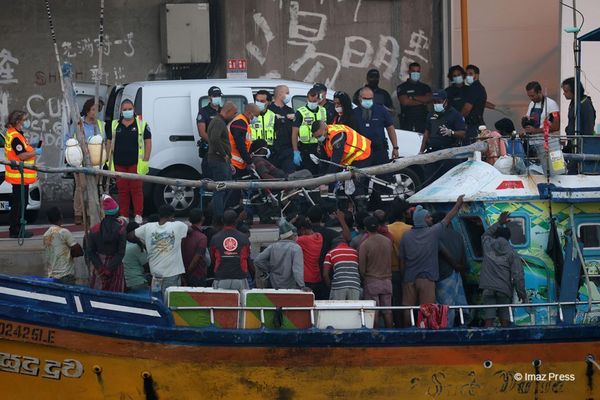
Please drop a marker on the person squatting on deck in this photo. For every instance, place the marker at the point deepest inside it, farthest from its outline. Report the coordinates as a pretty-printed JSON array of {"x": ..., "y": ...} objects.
[{"x": 61, "y": 249}]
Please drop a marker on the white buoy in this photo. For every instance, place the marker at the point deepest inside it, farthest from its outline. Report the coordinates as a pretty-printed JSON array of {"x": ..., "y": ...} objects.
[{"x": 73, "y": 153}]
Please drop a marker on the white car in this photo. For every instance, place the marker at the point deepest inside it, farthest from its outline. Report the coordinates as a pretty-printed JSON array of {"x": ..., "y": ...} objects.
[
  {"x": 35, "y": 194},
  {"x": 171, "y": 107}
]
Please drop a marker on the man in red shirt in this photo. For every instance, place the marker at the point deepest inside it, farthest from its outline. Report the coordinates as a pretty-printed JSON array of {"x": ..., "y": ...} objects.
[
  {"x": 311, "y": 243},
  {"x": 343, "y": 260},
  {"x": 193, "y": 249}
]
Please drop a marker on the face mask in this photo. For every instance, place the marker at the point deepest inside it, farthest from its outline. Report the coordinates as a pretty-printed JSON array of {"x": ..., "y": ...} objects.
[
  {"x": 458, "y": 80},
  {"x": 366, "y": 103},
  {"x": 217, "y": 101},
  {"x": 267, "y": 155},
  {"x": 254, "y": 120},
  {"x": 321, "y": 139},
  {"x": 312, "y": 105},
  {"x": 26, "y": 124},
  {"x": 339, "y": 110},
  {"x": 287, "y": 99},
  {"x": 415, "y": 76},
  {"x": 438, "y": 107},
  {"x": 469, "y": 80},
  {"x": 261, "y": 106},
  {"x": 127, "y": 114}
]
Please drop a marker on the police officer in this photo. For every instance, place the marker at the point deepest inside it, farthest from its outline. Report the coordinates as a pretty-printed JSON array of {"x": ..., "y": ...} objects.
[
  {"x": 303, "y": 142},
  {"x": 445, "y": 129},
  {"x": 414, "y": 96},
  {"x": 344, "y": 146},
  {"x": 475, "y": 102},
  {"x": 18, "y": 149},
  {"x": 284, "y": 119},
  {"x": 264, "y": 128},
  {"x": 323, "y": 102},
  {"x": 380, "y": 95},
  {"x": 205, "y": 115}
]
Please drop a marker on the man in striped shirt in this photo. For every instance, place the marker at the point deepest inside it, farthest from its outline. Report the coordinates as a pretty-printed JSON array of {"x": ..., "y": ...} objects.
[{"x": 343, "y": 260}]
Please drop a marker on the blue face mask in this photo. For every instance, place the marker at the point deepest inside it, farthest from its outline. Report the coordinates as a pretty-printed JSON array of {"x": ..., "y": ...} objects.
[
  {"x": 26, "y": 124},
  {"x": 458, "y": 80},
  {"x": 469, "y": 80},
  {"x": 366, "y": 103},
  {"x": 321, "y": 139},
  {"x": 254, "y": 120},
  {"x": 415, "y": 76},
  {"x": 312, "y": 105},
  {"x": 127, "y": 114},
  {"x": 438, "y": 107},
  {"x": 217, "y": 101},
  {"x": 287, "y": 99},
  {"x": 261, "y": 106}
]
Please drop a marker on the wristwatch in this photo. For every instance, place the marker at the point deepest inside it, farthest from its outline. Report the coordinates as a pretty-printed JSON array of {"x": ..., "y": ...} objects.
[{"x": 395, "y": 147}]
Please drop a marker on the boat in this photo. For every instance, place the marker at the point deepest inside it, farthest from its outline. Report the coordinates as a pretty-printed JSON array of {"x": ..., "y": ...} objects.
[{"x": 72, "y": 342}]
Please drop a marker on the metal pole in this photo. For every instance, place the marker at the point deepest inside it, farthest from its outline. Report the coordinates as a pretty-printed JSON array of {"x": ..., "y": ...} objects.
[
  {"x": 464, "y": 31},
  {"x": 576, "y": 95}
]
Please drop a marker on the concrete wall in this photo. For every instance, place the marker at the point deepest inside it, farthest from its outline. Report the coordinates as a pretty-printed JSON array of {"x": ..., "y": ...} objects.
[
  {"x": 513, "y": 42},
  {"x": 332, "y": 41}
]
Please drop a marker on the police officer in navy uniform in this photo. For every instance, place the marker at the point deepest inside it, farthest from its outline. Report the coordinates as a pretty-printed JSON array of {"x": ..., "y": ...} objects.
[
  {"x": 475, "y": 102},
  {"x": 205, "y": 115},
  {"x": 414, "y": 97},
  {"x": 323, "y": 102},
  {"x": 284, "y": 119},
  {"x": 445, "y": 129},
  {"x": 380, "y": 96}
]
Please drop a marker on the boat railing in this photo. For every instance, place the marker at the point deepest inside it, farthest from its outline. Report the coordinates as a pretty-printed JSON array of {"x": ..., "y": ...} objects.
[{"x": 363, "y": 309}]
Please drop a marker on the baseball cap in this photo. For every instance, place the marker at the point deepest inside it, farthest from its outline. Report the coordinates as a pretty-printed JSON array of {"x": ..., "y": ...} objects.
[
  {"x": 214, "y": 91},
  {"x": 319, "y": 87},
  {"x": 440, "y": 95},
  {"x": 374, "y": 73}
]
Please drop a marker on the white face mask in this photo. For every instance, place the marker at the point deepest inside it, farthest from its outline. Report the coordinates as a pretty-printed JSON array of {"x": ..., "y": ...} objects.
[
  {"x": 469, "y": 80},
  {"x": 339, "y": 110}
]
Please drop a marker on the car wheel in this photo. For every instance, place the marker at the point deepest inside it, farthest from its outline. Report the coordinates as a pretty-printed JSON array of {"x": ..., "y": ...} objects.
[
  {"x": 182, "y": 198},
  {"x": 407, "y": 183},
  {"x": 31, "y": 216}
]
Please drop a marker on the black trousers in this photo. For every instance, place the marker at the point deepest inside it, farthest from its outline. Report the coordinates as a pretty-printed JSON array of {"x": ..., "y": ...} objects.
[
  {"x": 15, "y": 207},
  {"x": 305, "y": 151}
]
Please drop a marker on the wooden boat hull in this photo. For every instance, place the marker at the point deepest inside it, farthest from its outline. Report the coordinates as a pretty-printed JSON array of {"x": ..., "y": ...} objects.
[{"x": 40, "y": 362}]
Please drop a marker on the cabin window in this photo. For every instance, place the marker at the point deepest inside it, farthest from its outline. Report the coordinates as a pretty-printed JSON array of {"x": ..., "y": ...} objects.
[
  {"x": 589, "y": 234},
  {"x": 298, "y": 101},
  {"x": 518, "y": 233},
  {"x": 137, "y": 103},
  {"x": 473, "y": 227},
  {"x": 239, "y": 101}
]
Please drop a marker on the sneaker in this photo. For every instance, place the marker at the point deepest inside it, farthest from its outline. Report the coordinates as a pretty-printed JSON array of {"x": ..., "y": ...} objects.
[
  {"x": 27, "y": 235},
  {"x": 138, "y": 219}
]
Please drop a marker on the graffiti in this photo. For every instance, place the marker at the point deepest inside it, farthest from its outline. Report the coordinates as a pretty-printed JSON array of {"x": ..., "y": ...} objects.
[
  {"x": 45, "y": 117},
  {"x": 3, "y": 108},
  {"x": 118, "y": 75},
  {"x": 41, "y": 78},
  {"x": 308, "y": 30},
  {"x": 88, "y": 46},
  {"x": 6, "y": 69}
]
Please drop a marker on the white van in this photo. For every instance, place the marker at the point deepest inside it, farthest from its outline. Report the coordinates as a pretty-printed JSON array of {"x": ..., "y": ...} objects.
[{"x": 171, "y": 107}]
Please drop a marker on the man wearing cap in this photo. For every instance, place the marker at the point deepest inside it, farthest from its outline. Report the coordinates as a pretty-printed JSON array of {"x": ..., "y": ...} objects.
[
  {"x": 380, "y": 96},
  {"x": 282, "y": 263},
  {"x": 445, "y": 128},
  {"x": 418, "y": 252},
  {"x": 205, "y": 115},
  {"x": 323, "y": 102},
  {"x": 302, "y": 141}
]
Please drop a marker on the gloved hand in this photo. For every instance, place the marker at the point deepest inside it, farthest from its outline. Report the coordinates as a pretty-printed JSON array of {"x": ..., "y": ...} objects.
[
  {"x": 445, "y": 131},
  {"x": 143, "y": 168},
  {"x": 39, "y": 151},
  {"x": 297, "y": 158}
]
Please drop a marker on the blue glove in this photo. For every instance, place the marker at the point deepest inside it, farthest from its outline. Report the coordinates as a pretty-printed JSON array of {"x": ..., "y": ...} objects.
[
  {"x": 297, "y": 158},
  {"x": 38, "y": 151}
]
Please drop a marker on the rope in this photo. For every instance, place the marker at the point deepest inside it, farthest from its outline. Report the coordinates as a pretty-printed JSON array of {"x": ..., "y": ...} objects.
[{"x": 22, "y": 220}]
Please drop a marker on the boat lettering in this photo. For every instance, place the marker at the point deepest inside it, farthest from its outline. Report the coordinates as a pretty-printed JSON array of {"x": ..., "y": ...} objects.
[
  {"x": 28, "y": 333},
  {"x": 50, "y": 369}
]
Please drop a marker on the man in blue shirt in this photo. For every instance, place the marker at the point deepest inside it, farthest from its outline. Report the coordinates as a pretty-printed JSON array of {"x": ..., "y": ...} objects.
[{"x": 445, "y": 128}]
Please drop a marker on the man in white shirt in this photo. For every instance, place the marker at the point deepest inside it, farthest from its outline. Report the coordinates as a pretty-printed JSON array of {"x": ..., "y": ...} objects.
[
  {"x": 540, "y": 108},
  {"x": 163, "y": 243}
]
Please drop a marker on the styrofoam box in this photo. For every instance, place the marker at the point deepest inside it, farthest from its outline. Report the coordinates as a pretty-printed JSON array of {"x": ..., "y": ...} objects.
[
  {"x": 344, "y": 319},
  {"x": 277, "y": 298}
]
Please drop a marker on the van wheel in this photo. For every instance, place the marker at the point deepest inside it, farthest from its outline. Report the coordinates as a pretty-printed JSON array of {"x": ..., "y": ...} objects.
[
  {"x": 407, "y": 183},
  {"x": 182, "y": 198}
]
